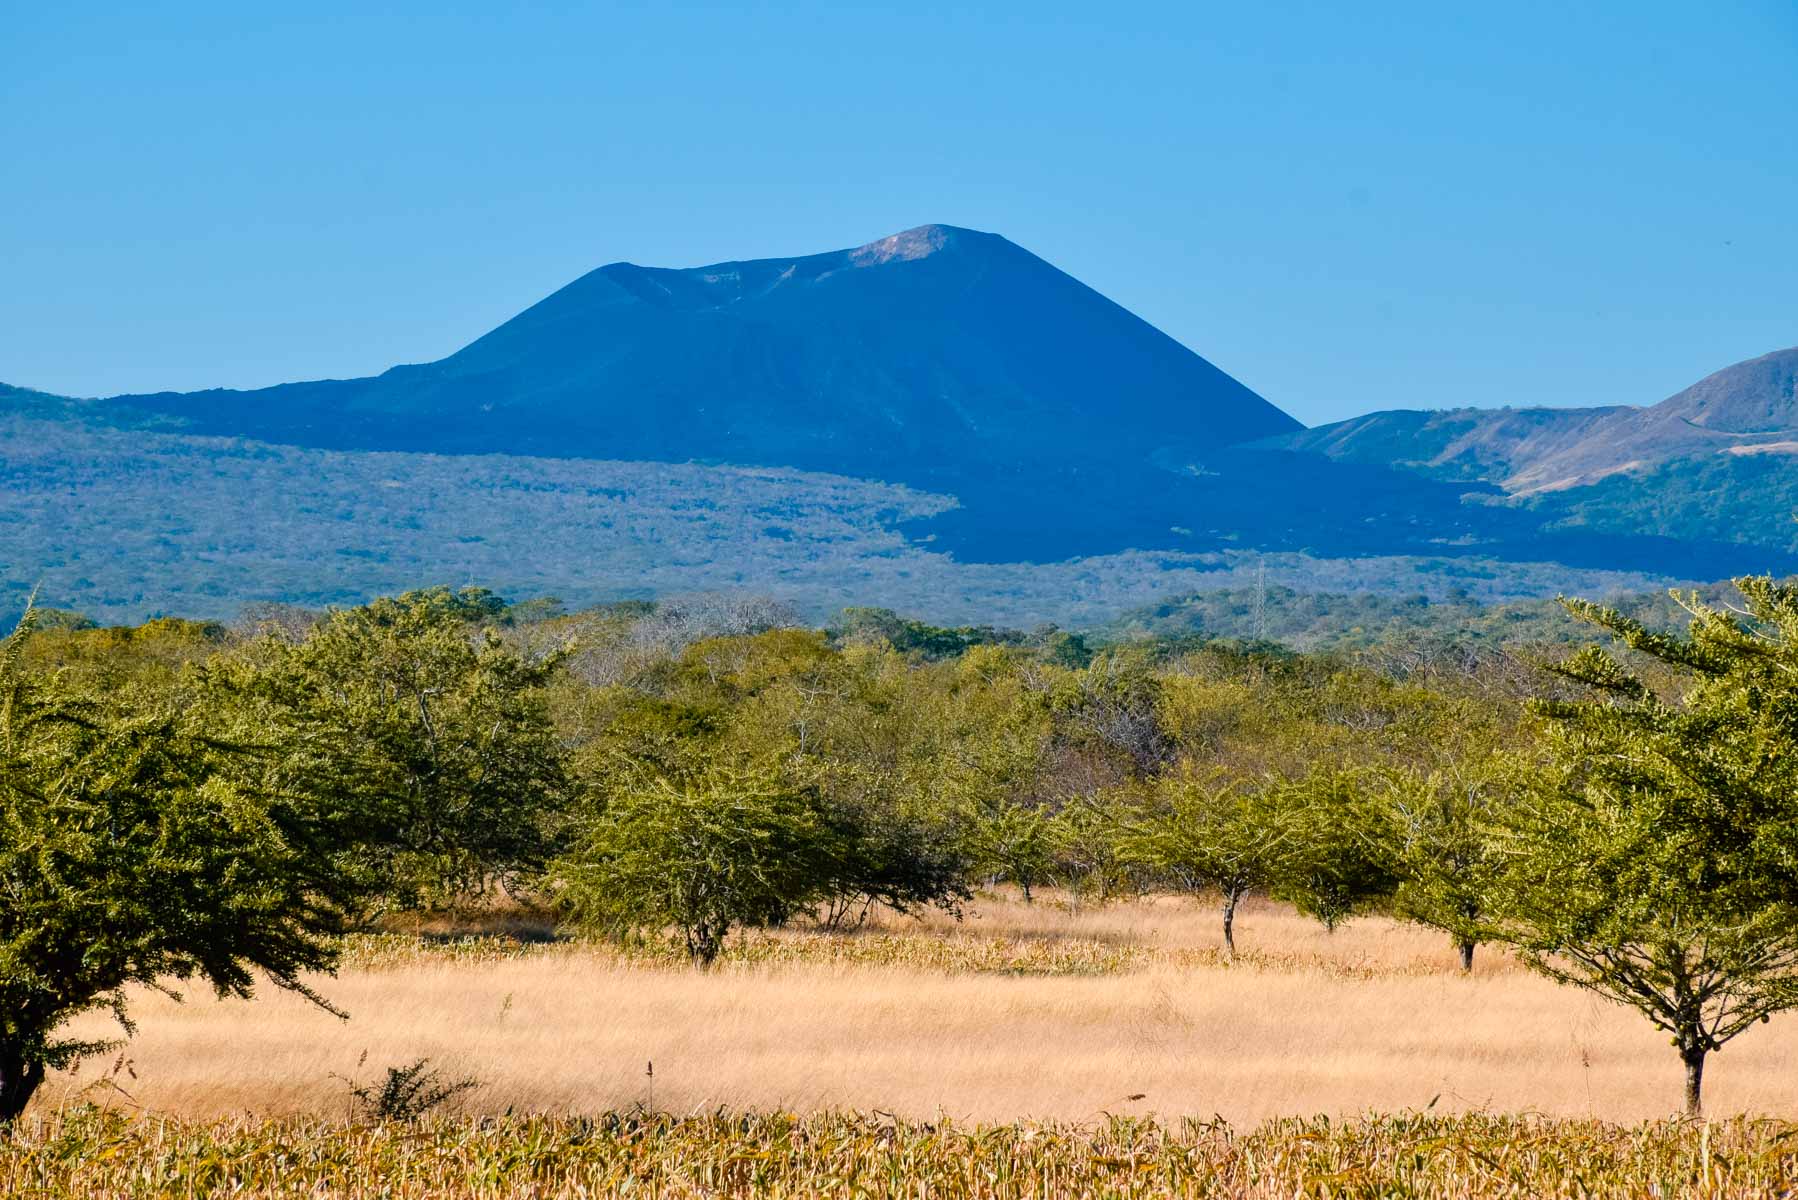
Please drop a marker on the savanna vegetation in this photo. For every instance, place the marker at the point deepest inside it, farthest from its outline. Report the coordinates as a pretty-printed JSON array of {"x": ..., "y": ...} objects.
[
  {"x": 197, "y": 526},
  {"x": 709, "y": 782}
]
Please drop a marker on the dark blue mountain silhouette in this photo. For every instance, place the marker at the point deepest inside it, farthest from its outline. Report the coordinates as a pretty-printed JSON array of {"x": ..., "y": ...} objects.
[{"x": 935, "y": 351}]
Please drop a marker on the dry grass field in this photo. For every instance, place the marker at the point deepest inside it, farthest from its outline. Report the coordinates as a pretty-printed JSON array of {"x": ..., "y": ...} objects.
[
  {"x": 1019, "y": 1012},
  {"x": 105, "y": 1156}
]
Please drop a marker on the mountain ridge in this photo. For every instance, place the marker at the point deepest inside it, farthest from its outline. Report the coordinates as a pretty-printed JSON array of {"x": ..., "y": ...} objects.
[
  {"x": 1747, "y": 407},
  {"x": 934, "y": 352}
]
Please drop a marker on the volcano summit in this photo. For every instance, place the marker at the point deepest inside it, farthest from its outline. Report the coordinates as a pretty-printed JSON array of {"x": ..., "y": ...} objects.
[{"x": 934, "y": 355}]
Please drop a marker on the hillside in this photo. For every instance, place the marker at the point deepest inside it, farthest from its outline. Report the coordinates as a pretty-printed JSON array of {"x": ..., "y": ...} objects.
[
  {"x": 1713, "y": 461},
  {"x": 1462, "y": 444},
  {"x": 121, "y": 525},
  {"x": 1746, "y": 409}
]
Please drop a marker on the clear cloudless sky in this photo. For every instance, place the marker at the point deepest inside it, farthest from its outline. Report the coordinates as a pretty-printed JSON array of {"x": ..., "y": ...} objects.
[{"x": 1347, "y": 206}]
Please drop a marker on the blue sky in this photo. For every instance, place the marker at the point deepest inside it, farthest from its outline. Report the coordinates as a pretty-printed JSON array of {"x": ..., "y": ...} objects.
[{"x": 1346, "y": 206}]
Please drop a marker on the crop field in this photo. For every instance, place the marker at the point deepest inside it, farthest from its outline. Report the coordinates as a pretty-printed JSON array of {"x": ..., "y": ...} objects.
[
  {"x": 1043, "y": 1049},
  {"x": 100, "y": 1155}
]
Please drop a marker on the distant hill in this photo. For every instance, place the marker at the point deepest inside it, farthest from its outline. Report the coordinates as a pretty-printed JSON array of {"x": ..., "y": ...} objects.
[
  {"x": 1461, "y": 444},
  {"x": 1748, "y": 409},
  {"x": 1715, "y": 461}
]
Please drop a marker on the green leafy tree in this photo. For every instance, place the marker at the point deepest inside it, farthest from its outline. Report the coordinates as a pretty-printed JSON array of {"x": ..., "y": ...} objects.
[
  {"x": 1088, "y": 843},
  {"x": 845, "y": 723},
  {"x": 1014, "y": 841},
  {"x": 1656, "y": 863},
  {"x": 133, "y": 850},
  {"x": 992, "y": 769},
  {"x": 894, "y": 853},
  {"x": 434, "y": 733},
  {"x": 1209, "y": 835},
  {"x": 915, "y": 637},
  {"x": 731, "y": 846},
  {"x": 1340, "y": 857},
  {"x": 1111, "y": 709},
  {"x": 1446, "y": 857}
]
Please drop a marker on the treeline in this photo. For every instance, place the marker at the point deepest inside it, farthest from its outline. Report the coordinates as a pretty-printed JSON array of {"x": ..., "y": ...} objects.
[
  {"x": 1320, "y": 620},
  {"x": 194, "y": 801}
]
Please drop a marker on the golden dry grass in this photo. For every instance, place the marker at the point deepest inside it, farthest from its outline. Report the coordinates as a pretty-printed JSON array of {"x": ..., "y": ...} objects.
[
  {"x": 1019, "y": 1012},
  {"x": 103, "y": 1156}
]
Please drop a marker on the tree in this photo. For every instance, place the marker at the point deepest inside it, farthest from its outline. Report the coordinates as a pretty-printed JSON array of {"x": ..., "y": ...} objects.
[
  {"x": 731, "y": 846},
  {"x": 1088, "y": 841},
  {"x": 435, "y": 734},
  {"x": 1208, "y": 834},
  {"x": 892, "y": 853},
  {"x": 1445, "y": 851},
  {"x": 1656, "y": 863},
  {"x": 133, "y": 850},
  {"x": 846, "y": 724},
  {"x": 991, "y": 767},
  {"x": 1013, "y": 841},
  {"x": 1112, "y": 708},
  {"x": 929, "y": 642},
  {"x": 1339, "y": 856}
]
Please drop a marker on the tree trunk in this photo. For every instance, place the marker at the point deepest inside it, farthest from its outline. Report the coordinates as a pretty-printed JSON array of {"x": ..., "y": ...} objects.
[
  {"x": 19, "y": 1079},
  {"x": 704, "y": 941},
  {"x": 1230, "y": 899},
  {"x": 1466, "y": 949},
  {"x": 1693, "y": 1056}
]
